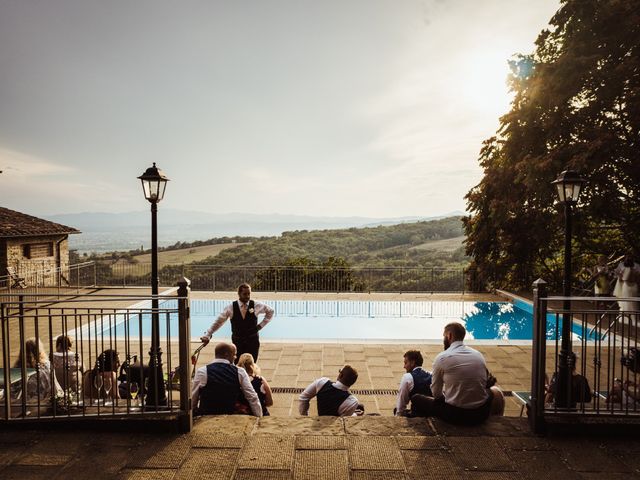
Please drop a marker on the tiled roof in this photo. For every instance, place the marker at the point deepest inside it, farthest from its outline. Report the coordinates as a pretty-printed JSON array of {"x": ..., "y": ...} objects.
[{"x": 16, "y": 224}]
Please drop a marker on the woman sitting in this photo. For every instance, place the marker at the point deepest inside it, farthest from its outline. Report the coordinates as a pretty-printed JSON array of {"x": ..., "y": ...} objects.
[
  {"x": 42, "y": 383},
  {"x": 67, "y": 364},
  {"x": 102, "y": 380},
  {"x": 258, "y": 383}
]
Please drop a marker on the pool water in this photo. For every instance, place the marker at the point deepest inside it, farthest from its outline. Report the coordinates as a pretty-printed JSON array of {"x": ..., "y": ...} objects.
[{"x": 360, "y": 320}]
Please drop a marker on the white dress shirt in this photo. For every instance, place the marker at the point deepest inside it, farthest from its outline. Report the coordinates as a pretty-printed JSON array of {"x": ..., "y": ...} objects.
[
  {"x": 200, "y": 380},
  {"x": 227, "y": 313},
  {"x": 346, "y": 408},
  {"x": 404, "y": 391},
  {"x": 460, "y": 375}
]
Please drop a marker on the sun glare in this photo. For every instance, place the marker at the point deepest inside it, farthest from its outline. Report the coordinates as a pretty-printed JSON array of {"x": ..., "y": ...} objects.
[{"x": 483, "y": 81}]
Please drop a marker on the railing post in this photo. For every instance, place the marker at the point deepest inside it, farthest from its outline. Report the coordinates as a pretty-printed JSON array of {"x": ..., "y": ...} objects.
[
  {"x": 6, "y": 363},
  {"x": 184, "y": 340},
  {"x": 538, "y": 356}
]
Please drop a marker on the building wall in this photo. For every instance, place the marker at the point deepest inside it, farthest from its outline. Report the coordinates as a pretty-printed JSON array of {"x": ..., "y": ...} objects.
[{"x": 41, "y": 269}]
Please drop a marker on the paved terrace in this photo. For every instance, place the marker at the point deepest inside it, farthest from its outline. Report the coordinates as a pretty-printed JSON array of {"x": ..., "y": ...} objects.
[
  {"x": 371, "y": 447},
  {"x": 275, "y": 448}
]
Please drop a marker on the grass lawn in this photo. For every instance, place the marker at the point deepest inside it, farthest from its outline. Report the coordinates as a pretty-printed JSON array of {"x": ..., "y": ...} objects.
[
  {"x": 185, "y": 255},
  {"x": 445, "y": 245}
]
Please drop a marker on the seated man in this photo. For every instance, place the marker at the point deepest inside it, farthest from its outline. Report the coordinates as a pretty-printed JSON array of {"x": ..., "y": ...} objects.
[
  {"x": 333, "y": 397},
  {"x": 217, "y": 386},
  {"x": 459, "y": 385},
  {"x": 416, "y": 380}
]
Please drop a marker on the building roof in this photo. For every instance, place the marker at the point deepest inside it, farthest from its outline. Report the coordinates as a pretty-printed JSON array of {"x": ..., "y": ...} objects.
[{"x": 16, "y": 224}]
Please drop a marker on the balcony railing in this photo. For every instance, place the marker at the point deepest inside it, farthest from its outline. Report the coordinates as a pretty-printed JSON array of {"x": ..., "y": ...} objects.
[
  {"x": 297, "y": 278},
  {"x": 84, "y": 359},
  {"x": 30, "y": 279},
  {"x": 601, "y": 357}
]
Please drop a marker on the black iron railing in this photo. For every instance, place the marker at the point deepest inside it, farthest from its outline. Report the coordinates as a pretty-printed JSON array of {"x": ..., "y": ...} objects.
[
  {"x": 85, "y": 358},
  {"x": 275, "y": 278},
  {"x": 602, "y": 384}
]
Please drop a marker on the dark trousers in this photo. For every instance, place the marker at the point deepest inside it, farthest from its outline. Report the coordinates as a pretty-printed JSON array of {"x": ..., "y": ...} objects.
[
  {"x": 423, "y": 406},
  {"x": 247, "y": 344}
]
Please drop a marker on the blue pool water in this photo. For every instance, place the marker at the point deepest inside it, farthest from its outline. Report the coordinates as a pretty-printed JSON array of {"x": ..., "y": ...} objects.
[{"x": 358, "y": 320}]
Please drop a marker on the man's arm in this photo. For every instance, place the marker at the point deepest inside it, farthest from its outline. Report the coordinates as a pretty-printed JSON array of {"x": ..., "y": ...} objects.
[
  {"x": 348, "y": 407},
  {"x": 249, "y": 393},
  {"x": 268, "y": 313},
  {"x": 308, "y": 393},
  {"x": 223, "y": 317},
  {"x": 200, "y": 379},
  {"x": 437, "y": 381},
  {"x": 406, "y": 384}
]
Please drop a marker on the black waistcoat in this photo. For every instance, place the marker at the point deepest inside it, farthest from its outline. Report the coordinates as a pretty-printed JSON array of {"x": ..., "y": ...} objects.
[
  {"x": 244, "y": 327},
  {"x": 330, "y": 398},
  {"x": 219, "y": 395},
  {"x": 421, "y": 382}
]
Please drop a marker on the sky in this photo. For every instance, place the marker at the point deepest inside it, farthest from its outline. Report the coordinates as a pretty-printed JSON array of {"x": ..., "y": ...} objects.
[{"x": 372, "y": 108}]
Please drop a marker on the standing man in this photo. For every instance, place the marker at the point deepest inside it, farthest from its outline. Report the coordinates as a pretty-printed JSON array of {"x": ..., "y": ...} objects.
[
  {"x": 416, "y": 380},
  {"x": 244, "y": 322},
  {"x": 459, "y": 386}
]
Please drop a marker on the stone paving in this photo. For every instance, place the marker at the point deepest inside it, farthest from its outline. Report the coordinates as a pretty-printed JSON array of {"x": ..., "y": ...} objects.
[{"x": 389, "y": 448}]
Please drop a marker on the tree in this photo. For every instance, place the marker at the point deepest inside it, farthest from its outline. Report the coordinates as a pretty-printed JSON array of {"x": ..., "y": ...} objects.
[{"x": 576, "y": 105}]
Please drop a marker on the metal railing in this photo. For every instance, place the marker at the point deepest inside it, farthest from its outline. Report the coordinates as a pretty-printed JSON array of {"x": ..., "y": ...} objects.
[
  {"x": 42, "y": 381},
  {"x": 29, "y": 279},
  {"x": 602, "y": 375},
  {"x": 297, "y": 278}
]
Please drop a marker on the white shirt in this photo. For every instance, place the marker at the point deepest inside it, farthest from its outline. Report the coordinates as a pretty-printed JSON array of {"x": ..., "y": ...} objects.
[
  {"x": 227, "y": 313},
  {"x": 346, "y": 408},
  {"x": 200, "y": 380},
  {"x": 460, "y": 375},
  {"x": 406, "y": 385}
]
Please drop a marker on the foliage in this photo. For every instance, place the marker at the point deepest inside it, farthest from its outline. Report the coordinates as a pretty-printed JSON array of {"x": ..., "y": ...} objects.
[{"x": 576, "y": 105}]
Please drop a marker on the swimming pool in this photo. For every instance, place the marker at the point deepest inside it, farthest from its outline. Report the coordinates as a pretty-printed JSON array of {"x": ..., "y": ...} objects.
[{"x": 362, "y": 320}]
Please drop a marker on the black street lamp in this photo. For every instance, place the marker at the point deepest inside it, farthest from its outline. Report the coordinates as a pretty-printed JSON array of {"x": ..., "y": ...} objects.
[
  {"x": 569, "y": 185},
  {"x": 154, "y": 182}
]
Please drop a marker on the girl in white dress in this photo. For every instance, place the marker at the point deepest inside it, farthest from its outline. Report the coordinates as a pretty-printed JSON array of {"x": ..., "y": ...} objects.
[{"x": 628, "y": 276}]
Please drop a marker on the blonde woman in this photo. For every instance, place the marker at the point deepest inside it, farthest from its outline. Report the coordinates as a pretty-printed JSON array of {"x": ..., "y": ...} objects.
[
  {"x": 43, "y": 381},
  {"x": 258, "y": 383}
]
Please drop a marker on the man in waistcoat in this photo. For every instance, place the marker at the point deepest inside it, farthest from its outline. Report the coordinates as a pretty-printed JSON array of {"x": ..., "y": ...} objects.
[
  {"x": 416, "y": 380},
  {"x": 333, "y": 397},
  {"x": 218, "y": 386},
  {"x": 244, "y": 322}
]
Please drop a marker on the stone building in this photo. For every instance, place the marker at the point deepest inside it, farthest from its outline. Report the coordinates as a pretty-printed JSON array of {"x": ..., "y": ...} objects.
[{"x": 36, "y": 250}]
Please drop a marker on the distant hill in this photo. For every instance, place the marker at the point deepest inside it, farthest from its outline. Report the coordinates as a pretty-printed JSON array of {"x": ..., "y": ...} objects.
[
  {"x": 103, "y": 232},
  {"x": 429, "y": 243}
]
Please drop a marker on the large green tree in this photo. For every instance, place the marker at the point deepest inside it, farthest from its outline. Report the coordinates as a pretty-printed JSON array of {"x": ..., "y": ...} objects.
[{"x": 576, "y": 105}]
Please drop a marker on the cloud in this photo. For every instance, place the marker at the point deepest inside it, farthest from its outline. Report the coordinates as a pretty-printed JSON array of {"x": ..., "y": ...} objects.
[{"x": 16, "y": 164}]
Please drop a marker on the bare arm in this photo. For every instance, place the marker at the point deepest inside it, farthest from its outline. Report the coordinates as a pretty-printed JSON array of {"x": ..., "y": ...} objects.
[{"x": 268, "y": 397}]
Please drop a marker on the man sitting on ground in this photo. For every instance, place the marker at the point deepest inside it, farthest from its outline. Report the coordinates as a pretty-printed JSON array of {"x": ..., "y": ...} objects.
[
  {"x": 459, "y": 386},
  {"x": 416, "y": 380},
  {"x": 333, "y": 397},
  {"x": 217, "y": 386}
]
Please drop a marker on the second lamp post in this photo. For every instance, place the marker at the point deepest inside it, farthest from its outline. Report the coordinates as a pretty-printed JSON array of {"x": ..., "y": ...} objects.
[{"x": 569, "y": 185}]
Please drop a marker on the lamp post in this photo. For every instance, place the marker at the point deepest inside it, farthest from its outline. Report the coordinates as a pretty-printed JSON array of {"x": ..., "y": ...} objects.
[
  {"x": 569, "y": 185},
  {"x": 154, "y": 182}
]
